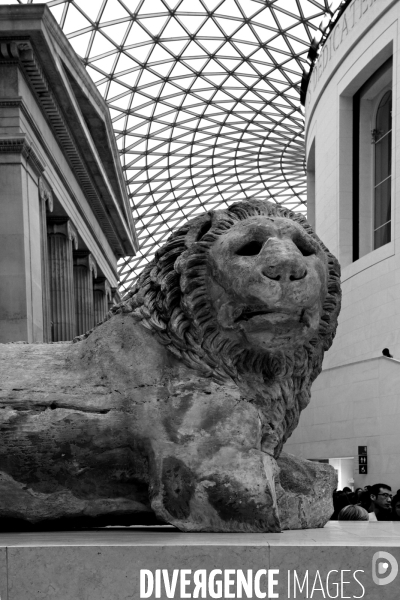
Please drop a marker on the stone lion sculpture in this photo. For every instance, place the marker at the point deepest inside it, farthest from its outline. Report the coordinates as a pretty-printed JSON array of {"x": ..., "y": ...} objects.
[{"x": 176, "y": 408}]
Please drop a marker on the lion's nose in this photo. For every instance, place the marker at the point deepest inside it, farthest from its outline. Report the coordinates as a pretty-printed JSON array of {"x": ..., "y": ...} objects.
[{"x": 282, "y": 262}]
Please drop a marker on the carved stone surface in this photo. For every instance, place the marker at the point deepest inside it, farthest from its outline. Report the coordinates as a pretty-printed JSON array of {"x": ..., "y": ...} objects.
[{"x": 176, "y": 408}]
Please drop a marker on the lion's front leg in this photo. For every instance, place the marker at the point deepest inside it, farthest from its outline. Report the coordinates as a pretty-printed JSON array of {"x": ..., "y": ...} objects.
[{"x": 207, "y": 471}]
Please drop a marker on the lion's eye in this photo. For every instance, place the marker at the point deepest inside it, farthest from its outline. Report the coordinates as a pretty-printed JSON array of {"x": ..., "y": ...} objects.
[
  {"x": 250, "y": 249},
  {"x": 305, "y": 248}
]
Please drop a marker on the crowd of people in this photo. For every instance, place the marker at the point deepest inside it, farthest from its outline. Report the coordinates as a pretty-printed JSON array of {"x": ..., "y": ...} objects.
[{"x": 372, "y": 503}]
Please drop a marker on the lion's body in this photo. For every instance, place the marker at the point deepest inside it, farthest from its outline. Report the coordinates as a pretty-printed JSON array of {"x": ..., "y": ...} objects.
[{"x": 165, "y": 411}]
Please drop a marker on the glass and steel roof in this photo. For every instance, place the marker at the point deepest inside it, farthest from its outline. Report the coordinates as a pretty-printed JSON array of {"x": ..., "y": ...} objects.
[{"x": 204, "y": 96}]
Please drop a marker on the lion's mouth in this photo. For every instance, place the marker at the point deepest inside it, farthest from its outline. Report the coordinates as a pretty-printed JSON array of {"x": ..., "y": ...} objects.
[{"x": 272, "y": 316}]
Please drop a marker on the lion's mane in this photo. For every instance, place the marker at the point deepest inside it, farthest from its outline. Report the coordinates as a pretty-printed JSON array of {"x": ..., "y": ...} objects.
[{"x": 170, "y": 298}]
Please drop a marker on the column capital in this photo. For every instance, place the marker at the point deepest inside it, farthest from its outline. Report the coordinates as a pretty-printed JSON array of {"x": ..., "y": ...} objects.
[
  {"x": 64, "y": 226},
  {"x": 85, "y": 259},
  {"x": 103, "y": 285},
  {"x": 45, "y": 193}
]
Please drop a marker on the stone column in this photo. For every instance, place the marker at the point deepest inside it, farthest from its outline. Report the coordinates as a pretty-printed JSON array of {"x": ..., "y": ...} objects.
[
  {"x": 84, "y": 272},
  {"x": 102, "y": 298},
  {"x": 46, "y": 204},
  {"x": 62, "y": 236}
]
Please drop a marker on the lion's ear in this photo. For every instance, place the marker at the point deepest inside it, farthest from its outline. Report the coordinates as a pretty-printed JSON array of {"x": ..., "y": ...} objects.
[{"x": 198, "y": 228}]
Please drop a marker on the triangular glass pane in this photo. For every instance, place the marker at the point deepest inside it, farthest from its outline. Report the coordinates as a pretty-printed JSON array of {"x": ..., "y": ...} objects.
[
  {"x": 100, "y": 45},
  {"x": 246, "y": 69},
  {"x": 246, "y": 34},
  {"x": 122, "y": 102},
  {"x": 153, "y": 24},
  {"x": 209, "y": 29},
  {"x": 162, "y": 69},
  {"x": 228, "y": 25},
  {"x": 245, "y": 49},
  {"x": 265, "y": 35},
  {"x": 180, "y": 70},
  {"x": 308, "y": 8},
  {"x": 214, "y": 67},
  {"x": 229, "y": 63},
  {"x": 136, "y": 35},
  {"x": 211, "y": 4},
  {"x": 298, "y": 47},
  {"x": 125, "y": 63},
  {"x": 191, "y": 23},
  {"x": 229, "y": 7},
  {"x": 152, "y": 7},
  {"x": 265, "y": 17},
  {"x": 80, "y": 43},
  {"x": 102, "y": 88},
  {"x": 153, "y": 90},
  {"x": 140, "y": 53},
  {"x": 211, "y": 46},
  {"x": 114, "y": 10},
  {"x": 175, "y": 46},
  {"x": 105, "y": 64},
  {"x": 57, "y": 11},
  {"x": 228, "y": 50},
  {"x": 116, "y": 89},
  {"x": 196, "y": 64},
  {"x": 145, "y": 111},
  {"x": 173, "y": 29},
  {"x": 94, "y": 75},
  {"x": 115, "y": 32},
  {"x": 215, "y": 79},
  {"x": 75, "y": 20},
  {"x": 194, "y": 50},
  {"x": 191, "y": 6},
  {"x": 285, "y": 21},
  {"x": 138, "y": 100},
  {"x": 91, "y": 9},
  {"x": 147, "y": 77}
]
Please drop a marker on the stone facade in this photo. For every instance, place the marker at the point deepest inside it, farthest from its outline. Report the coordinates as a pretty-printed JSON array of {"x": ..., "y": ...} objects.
[
  {"x": 58, "y": 164},
  {"x": 354, "y": 401}
]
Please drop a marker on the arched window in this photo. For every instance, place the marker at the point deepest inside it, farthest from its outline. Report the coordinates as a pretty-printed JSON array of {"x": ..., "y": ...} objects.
[
  {"x": 372, "y": 114},
  {"x": 383, "y": 171}
]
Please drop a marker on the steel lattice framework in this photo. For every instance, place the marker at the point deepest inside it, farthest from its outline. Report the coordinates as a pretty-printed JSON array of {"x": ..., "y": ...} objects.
[{"x": 204, "y": 98}]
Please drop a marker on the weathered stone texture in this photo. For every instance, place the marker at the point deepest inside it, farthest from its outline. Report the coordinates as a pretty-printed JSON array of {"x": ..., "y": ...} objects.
[{"x": 175, "y": 409}]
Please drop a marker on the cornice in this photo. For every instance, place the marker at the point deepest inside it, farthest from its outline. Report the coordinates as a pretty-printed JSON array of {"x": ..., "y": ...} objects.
[
  {"x": 19, "y": 144},
  {"x": 21, "y": 52}
]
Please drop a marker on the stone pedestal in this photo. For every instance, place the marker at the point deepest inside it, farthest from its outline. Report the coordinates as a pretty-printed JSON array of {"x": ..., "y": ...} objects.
[
  {"x": 84, "y": 272},
  {"x": 339, "y": 561},
  {"x": 61, "y": 237}
]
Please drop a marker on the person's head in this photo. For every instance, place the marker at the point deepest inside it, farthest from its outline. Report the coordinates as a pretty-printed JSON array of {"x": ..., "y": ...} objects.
[
  {"x": 381, "y": 496},
  {"x": 353, "y": 513},
  {"x": 358, "y": 492},
  {"x": 396, "y": 506},
  {"x": 365, "y": 500},
  {"x": 347, "y": 489}
]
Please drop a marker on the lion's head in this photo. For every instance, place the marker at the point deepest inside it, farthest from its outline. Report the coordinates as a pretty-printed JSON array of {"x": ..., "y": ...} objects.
[{"x": 250, "y": 293}]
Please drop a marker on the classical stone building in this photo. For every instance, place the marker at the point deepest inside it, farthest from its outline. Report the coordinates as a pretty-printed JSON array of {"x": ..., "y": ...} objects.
[
  {"x": 64, "y": 212},
  {"x": 352, "y": 136}
]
